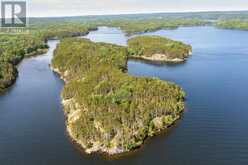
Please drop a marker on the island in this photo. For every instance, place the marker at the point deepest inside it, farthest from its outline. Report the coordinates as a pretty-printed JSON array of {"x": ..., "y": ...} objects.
[
  {"x": 156, "y": 48},
  {"x": 108, "y": 111}
]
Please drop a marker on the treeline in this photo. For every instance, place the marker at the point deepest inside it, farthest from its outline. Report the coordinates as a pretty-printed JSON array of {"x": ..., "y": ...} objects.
[
  {"x": 149, "y": 45},
  {"x": 13, "y": 48},
  {"x": 60, "y": 30},
  {"x": 79, "y": 56},
  {"x": 108, "y": 110},
  {"x": 241, "y": 24},
  {"x": 8, "y": 74},
  {"x": 130, "y": 25},
  {"x": 135, "y": 26},
  {"x": 141, "y": 25}
]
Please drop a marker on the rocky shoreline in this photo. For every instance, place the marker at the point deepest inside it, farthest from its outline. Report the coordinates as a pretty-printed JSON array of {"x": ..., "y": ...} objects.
[
  {"x": 71, "y": 117},
  {"x": 158, "y": 49},
  {"x": 97, "y": 146},
  {"x": 160, "y": 58},
  {"x": 72, "y": 113},
  {"x": 84, "y": 123}
]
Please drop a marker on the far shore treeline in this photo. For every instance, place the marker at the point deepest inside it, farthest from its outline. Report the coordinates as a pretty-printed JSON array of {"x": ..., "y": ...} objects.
[{"x": 13, "y": 48}]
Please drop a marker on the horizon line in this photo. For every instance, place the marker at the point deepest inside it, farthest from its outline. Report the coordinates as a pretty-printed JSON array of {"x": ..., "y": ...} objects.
[{"x": 137, "y": 13}]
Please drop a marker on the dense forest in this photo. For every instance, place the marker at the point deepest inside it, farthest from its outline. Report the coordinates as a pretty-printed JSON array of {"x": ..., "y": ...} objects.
[
  {"x": 158, "y": 48},
  {"x": 75, "y": 64},
  {"x": 233, "y": 24},
  {"x": 13, "y": 48},
  {"x": 108, "y": 110},
  {"x": 60, "y": 30},
  {"x": 8, "y": 74},
  {"x": 134, "y": 26}
]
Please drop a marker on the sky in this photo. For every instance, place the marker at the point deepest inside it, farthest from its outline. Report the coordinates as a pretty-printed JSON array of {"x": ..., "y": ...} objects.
[{"x": 46, "y": 8}]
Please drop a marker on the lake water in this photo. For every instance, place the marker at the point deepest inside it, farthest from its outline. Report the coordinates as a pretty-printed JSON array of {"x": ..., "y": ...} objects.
[{"x": 213, "y": 129}]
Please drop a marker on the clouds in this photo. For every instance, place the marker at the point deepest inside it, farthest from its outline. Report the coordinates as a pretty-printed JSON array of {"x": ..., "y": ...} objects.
[{"x": 89, "y": 7}]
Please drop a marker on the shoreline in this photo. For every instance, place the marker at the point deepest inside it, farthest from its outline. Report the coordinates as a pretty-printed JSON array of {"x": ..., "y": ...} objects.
[
  {"x": 148, "y": 139},
  {"x": 10, "y": 83},
  {"x": 72, "y": 112},
  {"x": 114, "y": 151},
  {"x": 150, "y": 59},
  {"x": 161, "y": 58},
  {"x": 130, "y": 34},
  {"x": 16, "y": 64},
  {"x": 110, "y": 153},
  {"x": 39, "y": 52},
  {"x": 107, "y": 152}
]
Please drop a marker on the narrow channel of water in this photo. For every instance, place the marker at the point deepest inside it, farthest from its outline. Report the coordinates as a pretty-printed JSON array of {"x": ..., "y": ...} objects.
[{"x": 31, "y": 121}]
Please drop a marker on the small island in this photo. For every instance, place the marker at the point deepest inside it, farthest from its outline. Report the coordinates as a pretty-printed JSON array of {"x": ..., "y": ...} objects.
[
  {"x": 108, "y": 111},
  {"x": 158, "y": 49}
]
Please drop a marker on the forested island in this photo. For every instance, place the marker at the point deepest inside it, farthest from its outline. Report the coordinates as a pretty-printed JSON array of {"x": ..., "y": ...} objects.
[
  {"x": 106, "y": 109},
  {"x": 156, "y": 48}
]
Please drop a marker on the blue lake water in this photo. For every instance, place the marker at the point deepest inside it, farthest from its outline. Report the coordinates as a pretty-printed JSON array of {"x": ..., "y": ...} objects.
[{"x": 213, "y": 129}]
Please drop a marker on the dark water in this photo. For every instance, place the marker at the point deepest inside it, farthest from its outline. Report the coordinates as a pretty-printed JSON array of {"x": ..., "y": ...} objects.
[{"x": 213, "y": 130}]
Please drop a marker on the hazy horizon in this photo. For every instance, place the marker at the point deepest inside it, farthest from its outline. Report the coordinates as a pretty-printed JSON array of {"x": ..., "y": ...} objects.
[
  {"x": 209, "y": 11},
  {"x": 60, "y": 8}
]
